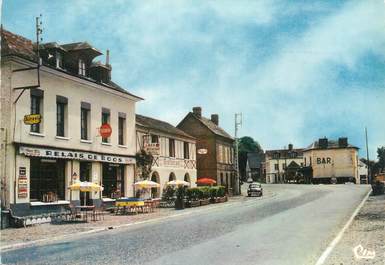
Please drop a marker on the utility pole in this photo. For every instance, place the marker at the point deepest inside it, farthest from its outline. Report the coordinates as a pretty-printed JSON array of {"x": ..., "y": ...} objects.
[
  {"x": 367, "y": 156},
  {"x": 237, "y": 123}
]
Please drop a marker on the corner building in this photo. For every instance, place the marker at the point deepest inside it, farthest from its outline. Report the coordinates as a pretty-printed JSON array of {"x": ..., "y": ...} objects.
[{"x": 75, "y": 98}]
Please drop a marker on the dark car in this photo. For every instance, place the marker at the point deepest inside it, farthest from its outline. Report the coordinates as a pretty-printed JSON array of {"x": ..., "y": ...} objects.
[{"x": 255, "y": 189}]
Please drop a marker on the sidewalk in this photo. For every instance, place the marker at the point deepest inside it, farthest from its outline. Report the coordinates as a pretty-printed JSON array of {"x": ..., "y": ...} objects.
[
  {"x": 365, "y": 237},
  {"x": 20, "y": 237}
]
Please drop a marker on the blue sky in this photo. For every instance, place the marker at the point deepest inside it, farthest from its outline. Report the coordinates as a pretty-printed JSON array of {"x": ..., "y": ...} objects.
[{"x": 297, "y": 70}]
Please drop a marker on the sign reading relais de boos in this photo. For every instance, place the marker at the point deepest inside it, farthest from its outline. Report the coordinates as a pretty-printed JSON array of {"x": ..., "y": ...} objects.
[{"x": 32, "y": 119}]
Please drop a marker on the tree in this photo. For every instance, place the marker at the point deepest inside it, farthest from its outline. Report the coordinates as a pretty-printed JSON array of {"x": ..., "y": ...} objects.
[
  {"x": 381, "y": 159},
  {"x": 144, "y": 162},
  {"x": 246, "y": 145}
]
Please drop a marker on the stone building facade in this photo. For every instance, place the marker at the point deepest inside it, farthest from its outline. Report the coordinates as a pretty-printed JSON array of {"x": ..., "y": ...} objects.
[
  {"x": 332, "y": 161},
  {"x": 75, "y": 97},
  {"x": 215, "y": 148},
  {"x": 173, "y": 150}
]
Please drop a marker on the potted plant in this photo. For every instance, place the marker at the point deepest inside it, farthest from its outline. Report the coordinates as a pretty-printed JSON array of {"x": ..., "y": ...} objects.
[{"x": 180, "y": 198}]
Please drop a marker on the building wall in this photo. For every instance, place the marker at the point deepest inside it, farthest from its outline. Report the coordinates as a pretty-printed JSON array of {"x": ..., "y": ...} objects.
[
  {"x": 206, "y": 163},
  {"x": 164, "y": 165},
  {"x": 328, "y": 163},
  {"x": 219, "y": 157}
]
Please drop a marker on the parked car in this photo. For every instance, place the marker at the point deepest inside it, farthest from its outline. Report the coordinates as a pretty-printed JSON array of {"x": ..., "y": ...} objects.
[{"x": 255, "y": 189}]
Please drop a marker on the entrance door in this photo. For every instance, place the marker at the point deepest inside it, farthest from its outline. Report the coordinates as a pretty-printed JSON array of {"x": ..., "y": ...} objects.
[{"x": 113, "y": 180}]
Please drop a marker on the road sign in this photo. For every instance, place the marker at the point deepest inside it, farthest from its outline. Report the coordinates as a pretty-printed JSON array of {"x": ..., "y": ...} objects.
[
  {"x": 152, "y": 148},
  {"x": 202, "y": 151},
  {"x": 105, "y": 130},
  {"x": 32, "y": 119}
]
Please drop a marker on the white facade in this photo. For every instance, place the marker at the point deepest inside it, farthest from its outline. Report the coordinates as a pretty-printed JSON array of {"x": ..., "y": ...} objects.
[
  {"x": 70, "y": 148},
  {"x": 363, "y": 172},
  {"x": 174, "y": 165},
  {"x": 275, "y": 167}
]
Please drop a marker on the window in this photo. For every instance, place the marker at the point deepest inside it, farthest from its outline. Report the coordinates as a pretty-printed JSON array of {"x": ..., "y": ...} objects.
[
  {"x": 47, "y": 176},
  {"x": 284, "y": 166},
  {"x": 121, "y": 129},
  {"x": 82, "y": 67},
  {"x": 85, "y": 171},
  {"x": 84, "y": 120},
  {"x": 186, "y": 150},
  {"x": 276, "y": 166},
  {"x": 105, "y": 119},
  {"x": 171, "y": 147},
  {"x": 154, "y": 139},
  {"x": 36, "y": 107},
  {"x": 61, "y": 109}
]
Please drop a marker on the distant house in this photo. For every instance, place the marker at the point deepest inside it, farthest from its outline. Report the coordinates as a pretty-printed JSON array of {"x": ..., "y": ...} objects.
[
  {"x": 254, "y": 166},
  {"x": 215, "y": 148},
  {"x": 282, "y": 165},
  {"x": 173, "y": 151},
  {"x": 332, "y": 161},
  {"x": 363, "y": 172}
]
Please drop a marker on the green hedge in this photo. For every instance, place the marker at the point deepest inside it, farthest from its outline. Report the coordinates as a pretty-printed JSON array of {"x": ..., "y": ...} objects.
[{"x": 205, "y": 192}]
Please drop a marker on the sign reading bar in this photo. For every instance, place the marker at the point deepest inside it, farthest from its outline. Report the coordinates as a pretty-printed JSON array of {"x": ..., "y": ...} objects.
[
  {"x": 77, "y": 155},
  {"x": 32, "y": 119}
]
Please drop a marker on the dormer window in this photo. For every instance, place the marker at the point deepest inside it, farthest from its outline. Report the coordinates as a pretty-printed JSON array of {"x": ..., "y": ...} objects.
[
  {"x": 82, "y": 67},
  {"x": 59, "y": 60}
]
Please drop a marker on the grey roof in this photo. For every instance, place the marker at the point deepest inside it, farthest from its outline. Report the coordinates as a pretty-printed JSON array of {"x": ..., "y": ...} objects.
[
  {"x": 162, "y": 126},
  {"x": 212, "y": 126},
  {"x": 13, "y": 44},
  {"x": 80, "y": 46},
  {"x": 332, "y": 144},
  {"x": 255, "y": 159}
]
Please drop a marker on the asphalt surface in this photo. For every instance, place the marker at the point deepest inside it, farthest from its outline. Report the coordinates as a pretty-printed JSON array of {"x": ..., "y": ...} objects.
[{"x": 293, "y": 227}]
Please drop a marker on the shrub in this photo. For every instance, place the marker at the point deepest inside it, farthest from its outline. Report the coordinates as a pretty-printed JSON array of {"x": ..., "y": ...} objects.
[
  {"x": 221, "y": 191},
  {"x": 213, "y": 192},
  {"x": 193, "y": 194},
  {"x": 205, "y": 192},
  {"x": 378, "y": 188},
  {"x": 168, "y": 193}
]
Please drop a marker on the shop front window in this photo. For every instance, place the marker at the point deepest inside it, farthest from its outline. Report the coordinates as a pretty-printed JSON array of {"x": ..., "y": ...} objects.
[
  {"x": 47, "y": 181},
  {"x": 113, "y": 180}
]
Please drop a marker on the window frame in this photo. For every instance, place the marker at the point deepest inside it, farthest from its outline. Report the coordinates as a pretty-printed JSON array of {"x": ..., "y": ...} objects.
[
  {"x": 60, "y": 124},
  {"x": 171, "y": 147},
  {"x": 36, "y": 109},
  {"x": 84, "y": 121},
  {"x": 121, "y": 130},
  {"x": 81, "y": 67},
  {"x": 186, "y": 151}
]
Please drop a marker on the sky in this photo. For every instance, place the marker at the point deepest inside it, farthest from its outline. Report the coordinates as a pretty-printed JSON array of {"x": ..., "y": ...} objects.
[{"x": 296, "y": 70}]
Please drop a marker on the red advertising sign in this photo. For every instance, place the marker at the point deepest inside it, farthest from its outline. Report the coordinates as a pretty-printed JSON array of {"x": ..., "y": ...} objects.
[{"x": 105, "y": 130}]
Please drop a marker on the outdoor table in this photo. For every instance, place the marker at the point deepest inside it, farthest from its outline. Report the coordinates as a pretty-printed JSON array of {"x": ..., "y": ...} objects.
[
  {"x": 129, "y": 204},
  {"x": 84, "y": 209}
]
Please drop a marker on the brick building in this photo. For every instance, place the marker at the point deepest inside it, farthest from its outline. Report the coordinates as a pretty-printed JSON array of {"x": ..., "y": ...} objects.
[{"x": 215, "y": 148}]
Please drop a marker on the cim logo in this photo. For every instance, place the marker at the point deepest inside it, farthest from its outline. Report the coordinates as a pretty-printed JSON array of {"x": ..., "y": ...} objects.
[{"x": 323, "y": 160}]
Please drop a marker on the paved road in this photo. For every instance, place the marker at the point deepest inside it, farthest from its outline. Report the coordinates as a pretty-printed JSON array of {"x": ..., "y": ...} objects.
[{"x": 293, "y": 227}]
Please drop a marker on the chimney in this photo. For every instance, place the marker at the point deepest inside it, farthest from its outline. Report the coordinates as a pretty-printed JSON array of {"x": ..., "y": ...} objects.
[
  {"x": 197, "y": 111},
  {"x": 108, "y": 57},
  {"x": 290, "y": 146},
  {"x": 215, "y": 119},
  {"x": 323, "y": 143},
  {"x": 342, "y": 142}
]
